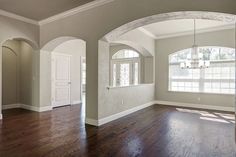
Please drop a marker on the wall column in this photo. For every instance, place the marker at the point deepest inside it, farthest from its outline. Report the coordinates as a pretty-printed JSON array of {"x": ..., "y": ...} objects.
[{"x": 92, "y": 82}]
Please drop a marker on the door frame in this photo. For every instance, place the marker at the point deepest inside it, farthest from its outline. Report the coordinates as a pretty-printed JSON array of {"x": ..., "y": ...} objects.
[
  {"x": 52, "y": 70},
  {"x": 81, "y": 77},
  {"x": 129, "y": 61}
]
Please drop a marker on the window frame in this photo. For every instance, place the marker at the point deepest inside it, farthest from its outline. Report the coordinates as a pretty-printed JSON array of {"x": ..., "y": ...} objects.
[
  {"x": 201, "y": 80},
  {"x": 131, "y": 62}
]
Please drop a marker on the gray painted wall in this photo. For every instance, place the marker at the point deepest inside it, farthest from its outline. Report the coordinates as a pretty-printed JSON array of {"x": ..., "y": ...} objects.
[
  {"x": 164, "y": 47},
  {"x": 93, "y": 24},
  {"x": 18, "y": 82},
  {"x": 10, "y": 73},
  {"x": 11, "y": 28},
  {"x": 118, "y": 99},
  {"x": 26, "y": 74}
]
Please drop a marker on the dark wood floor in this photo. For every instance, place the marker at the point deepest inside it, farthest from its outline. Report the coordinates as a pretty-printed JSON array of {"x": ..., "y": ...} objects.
[{"x": 157, "y": 131}]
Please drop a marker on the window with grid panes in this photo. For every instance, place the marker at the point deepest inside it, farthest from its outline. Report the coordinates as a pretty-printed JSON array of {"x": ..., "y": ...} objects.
[
  {"x": 218, "y": 78},
  {"x": 125, "y": 68}
]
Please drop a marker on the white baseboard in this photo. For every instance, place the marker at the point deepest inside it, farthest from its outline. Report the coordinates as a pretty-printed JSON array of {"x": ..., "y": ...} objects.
[
  {"x": 36, "y": 109},
  {"x": 27, "y": 107},
  {"x": 92, "y": 122},
  {"x": 197, "y": 106},
  {"x": 11, "y": 106},
  {"x": 45, "y": 108},
  {"x": 76, "y": 102},
  {"x": 117, "y": 116},
  {"x": 124, "y": 113}
]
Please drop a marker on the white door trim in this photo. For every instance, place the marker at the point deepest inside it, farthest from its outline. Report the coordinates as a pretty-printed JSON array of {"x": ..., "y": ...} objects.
[
  {"x": 81, "y": 77},
  {"x": 52, "y": 72}
]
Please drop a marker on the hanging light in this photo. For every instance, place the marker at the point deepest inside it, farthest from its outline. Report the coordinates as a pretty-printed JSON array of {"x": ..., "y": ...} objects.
[{"x": 197, "y": 60}]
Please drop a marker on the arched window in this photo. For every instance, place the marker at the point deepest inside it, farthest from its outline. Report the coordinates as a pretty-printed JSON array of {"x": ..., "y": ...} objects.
[
  {"x": 218, "y": 78},
  {"x": 125, "y": 68},
  {"x": 126, "y": 53}
]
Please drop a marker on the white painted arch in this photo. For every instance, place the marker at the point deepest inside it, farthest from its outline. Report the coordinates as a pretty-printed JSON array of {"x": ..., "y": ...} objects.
[
  {"x": 135, "y": 46},
  {"x": 114, "y": 34},
  {"x": 51, "y": 45},
  {"x": 45, "y": 65},
  {"x": 35, "y": 48}
]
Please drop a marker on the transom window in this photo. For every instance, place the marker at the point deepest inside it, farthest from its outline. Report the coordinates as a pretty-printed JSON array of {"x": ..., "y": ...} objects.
[
  {"x": 125, "y": 68},
  {"x": 218, "y": 78}
]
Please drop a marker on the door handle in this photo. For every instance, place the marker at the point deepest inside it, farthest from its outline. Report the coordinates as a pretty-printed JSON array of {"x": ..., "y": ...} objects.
[{"x": 69, "y": 82}]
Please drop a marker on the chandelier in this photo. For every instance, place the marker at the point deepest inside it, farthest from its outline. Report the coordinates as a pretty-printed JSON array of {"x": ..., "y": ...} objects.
[{"x": 196, "y": 60}]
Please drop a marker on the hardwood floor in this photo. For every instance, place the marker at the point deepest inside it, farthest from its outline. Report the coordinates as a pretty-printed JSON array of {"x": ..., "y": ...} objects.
[{"x": 157, "y": 131}]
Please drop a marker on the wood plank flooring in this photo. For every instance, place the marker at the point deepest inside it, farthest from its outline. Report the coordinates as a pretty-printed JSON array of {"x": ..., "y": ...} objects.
[{"x": 157, "y": 131}]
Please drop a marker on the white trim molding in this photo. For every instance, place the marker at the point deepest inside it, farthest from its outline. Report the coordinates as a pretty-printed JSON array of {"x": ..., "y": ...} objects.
[
  {"x": 18, "y": 17},
  {"x": 0, "y": 116},
  {"x": 36, "y": 108},
  {"x": 27, "y": 107},
  {"x": 108, "y": 119},
  {"x": 200, "y": 31},
  {"x": 11, "y": 106},
  {"x": 117, "y": 116},
  {"x": 148, "y": 33},
  {"x": 87, "y": 6},
  {"x": 171, "y": 35},
  {"x": 76, "y": 102},
  {"x": 196, "y": 106},
  {"x": 92, "y": 122}
]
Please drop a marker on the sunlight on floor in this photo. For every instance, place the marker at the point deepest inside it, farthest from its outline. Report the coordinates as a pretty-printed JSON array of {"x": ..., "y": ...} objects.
[
  {"x": 211, "y": 116},
  {"x": 214, "y": 119}
]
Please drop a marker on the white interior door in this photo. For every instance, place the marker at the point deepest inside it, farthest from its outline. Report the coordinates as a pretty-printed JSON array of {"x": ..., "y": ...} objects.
[{"x": 61, "y": 80}]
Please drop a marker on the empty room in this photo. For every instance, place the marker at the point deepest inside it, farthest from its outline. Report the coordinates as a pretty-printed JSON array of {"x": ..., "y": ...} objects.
[{"x": 117, "y": 78}]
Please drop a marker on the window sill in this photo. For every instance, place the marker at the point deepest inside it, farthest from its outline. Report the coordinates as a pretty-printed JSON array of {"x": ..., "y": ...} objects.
[
  {"x": 129, "y": 86},
  {"x": 201, "y": 93}
]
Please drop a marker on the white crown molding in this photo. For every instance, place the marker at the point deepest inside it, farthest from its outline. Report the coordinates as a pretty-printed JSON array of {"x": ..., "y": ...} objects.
[
  {"x": 148, "y": 33},
  {"x": 212, "y": 29},
  {"x": 62, "y": 15},
  {"x": 18, "y": 17},
  {"x": 74, "y": 11}
]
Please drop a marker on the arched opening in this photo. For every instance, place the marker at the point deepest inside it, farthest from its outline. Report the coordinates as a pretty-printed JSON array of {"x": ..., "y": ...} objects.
[
  {"x": 217, "y": 16},
  {"x": 19, "y": 74},
  {"x": 125, "y": 68},
  {"x": 65, "y": 76},
  {"x": 215, "y": 29},
  {"x": 129, "y": 67}
]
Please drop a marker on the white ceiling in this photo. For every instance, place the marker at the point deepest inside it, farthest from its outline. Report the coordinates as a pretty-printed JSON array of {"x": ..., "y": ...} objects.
[{"x": 182, "y": 27}]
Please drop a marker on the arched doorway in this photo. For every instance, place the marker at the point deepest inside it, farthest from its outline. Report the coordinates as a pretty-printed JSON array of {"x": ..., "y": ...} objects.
[
  {"x": 19, "y": 74},
  {"x": 114, "y": 36},
  {"x": 64, "y": 80}
]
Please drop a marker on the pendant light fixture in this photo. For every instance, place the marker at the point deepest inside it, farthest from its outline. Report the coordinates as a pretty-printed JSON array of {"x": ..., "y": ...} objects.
[{"x": 197, "y": 60}]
